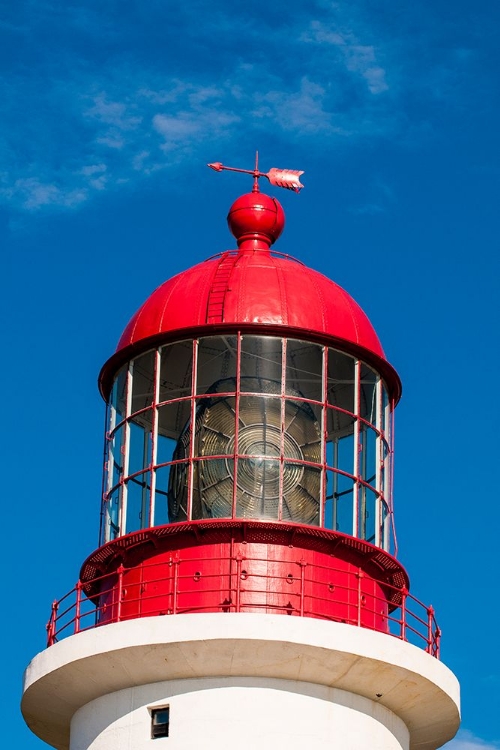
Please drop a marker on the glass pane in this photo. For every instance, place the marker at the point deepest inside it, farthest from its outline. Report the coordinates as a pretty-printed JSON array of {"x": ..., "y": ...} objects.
[
  {"x": 301, "y": 494},
  {"x": 175, "y": 370},
  {"x": 143, "y": 378},
  {"x": 112, "y": 515},
  {"x": 343, "y": 504},
  {"x": 302, "y": 438},
  {"x": 368, "y": 394},
  {"x": 304, "y": 369},
  {"x": 345, "y": 454},
  {"x": 115, "y": 457},
  {"x": 119, "y": 395},
  {"x": 173, "y": 420},
  {"x": 161, "y": 496},
  {"x": 216, "y": 362},
  {"x": 178, "y": 474},
  {"x": 384, "y": 535},
  {"x": 341, "y": 380},
  {"x": 261, "y": 364},
  {"x": 140, "y": 443},
  {"x": 367, "y": 514},
  {"x": 259, "y": 432},
  {"x": 368, "y": 453},
  {"x": 385, "y": 413},
  {"x": 258, "y": 487},
  {"x": 137, "y": 502},
  {"x": 177, "y": 477},
  {"x": 213, "y": 488}
]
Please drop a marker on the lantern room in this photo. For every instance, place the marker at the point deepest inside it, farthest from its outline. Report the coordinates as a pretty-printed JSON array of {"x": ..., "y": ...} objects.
[{"x": 250, "y": 387}]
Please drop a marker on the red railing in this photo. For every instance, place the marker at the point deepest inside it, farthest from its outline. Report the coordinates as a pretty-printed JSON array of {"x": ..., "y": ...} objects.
[{"x": 121, "y": 599}]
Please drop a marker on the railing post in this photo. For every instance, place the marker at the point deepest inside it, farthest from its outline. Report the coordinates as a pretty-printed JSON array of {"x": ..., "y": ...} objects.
[
  {"x": 51, "y": 625},
  {"x": 404, "y": 595},
  {"x": 238, "y": 559},
  {"x": 176, "y": 586},
  {"x": 437, "y": 643},
  {"x": 430, "y": 623},
  {"x": 359, "y": 576},
  {"x": 78, "y": 589},
  {"x": 119, "y": 593},
  {"x": 302, "y": 585}
]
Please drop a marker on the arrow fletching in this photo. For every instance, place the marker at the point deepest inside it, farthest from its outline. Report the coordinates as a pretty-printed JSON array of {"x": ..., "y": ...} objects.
[
  {"x": 217, "y": 166},
  {"x": 286, "y": 178}
]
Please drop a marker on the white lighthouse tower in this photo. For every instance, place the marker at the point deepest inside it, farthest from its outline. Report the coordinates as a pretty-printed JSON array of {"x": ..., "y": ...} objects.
[{"x": 245, "y": 593}]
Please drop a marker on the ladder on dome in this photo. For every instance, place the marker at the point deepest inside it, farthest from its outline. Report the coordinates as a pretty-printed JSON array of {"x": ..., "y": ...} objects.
[{"x": 219, "y": 288}]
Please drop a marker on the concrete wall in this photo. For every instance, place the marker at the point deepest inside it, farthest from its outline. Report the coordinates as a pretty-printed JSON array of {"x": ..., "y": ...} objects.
[{"x": 244, "y": 714}]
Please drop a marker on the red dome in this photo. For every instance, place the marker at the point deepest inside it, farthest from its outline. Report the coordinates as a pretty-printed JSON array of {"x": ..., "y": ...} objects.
[{"x": 254, "y": 289}]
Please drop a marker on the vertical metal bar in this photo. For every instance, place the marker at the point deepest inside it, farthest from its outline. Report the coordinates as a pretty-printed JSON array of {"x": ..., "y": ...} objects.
[
  {"x": 236, "y": 425},
  {"x": 78, "y": 589},
  {"x": 437, "y": 643},
  {"x": 355, "y": 495},
  {"x": 324, "y": 426},
  {"x": 378, "y": 464},
  {"x": 238, "y": 559},
  {"x": 302, "y": 586},
  {"x": 404, "y": 594},
  {"x": 194, "y": 369},
  {"x": 126, "y": 452},
  {"x": 390, "y": 517},
  {"x": 119, "y": 593},
  {"x": 111, "y": 450},
  {"x": 103, "y": 526},
  {"x": 51, "y": 625},
  {"x": 176, "y": 585},
  {"x": 282, "y": 427},
  {"x": 154, "y": 439},
  {"x": 430, "y": 624},
  {"x": 359, "y": 576},
  {"x": 335, "y": 483}
]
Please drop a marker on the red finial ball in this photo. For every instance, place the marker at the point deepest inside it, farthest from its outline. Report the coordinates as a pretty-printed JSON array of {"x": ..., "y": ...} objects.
[{"x": 257, "y": 218}]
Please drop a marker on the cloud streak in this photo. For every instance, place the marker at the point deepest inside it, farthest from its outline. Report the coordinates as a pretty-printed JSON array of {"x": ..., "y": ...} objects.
[
  {"x": 467, "y": 741},
  {"x": 78, "y": 123}
]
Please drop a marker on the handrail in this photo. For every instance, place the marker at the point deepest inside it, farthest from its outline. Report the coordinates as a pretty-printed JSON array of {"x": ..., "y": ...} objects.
[{"x": 410, "y": 620}]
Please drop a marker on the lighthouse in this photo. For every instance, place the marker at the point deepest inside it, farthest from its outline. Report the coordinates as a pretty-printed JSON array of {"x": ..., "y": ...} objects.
[{"x": 246, "y": 591}]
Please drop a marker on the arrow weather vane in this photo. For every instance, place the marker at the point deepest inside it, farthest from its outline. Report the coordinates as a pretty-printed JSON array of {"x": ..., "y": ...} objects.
[{"x": 285, "y": 178}]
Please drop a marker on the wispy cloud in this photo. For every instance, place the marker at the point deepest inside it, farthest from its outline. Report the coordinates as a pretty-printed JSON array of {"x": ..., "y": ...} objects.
[
  {"x": 115, "y": 102},
  {"x": 467, "y": 741}
]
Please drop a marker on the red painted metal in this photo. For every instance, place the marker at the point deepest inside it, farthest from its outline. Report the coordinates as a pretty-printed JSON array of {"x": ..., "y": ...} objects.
[
  {"x": 244, "y": 576},
  {"x": 262, "y": 292}
]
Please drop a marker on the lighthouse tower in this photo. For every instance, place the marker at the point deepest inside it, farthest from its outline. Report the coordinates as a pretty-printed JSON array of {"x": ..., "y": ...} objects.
[{"x": 245, "y": 593}]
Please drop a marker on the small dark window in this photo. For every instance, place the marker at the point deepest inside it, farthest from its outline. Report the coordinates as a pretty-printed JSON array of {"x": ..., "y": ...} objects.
[{"x": 160, "y": 718}]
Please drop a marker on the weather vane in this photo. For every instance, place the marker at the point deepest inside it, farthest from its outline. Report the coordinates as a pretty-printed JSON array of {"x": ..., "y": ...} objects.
[{"x": 285, "y": 178}]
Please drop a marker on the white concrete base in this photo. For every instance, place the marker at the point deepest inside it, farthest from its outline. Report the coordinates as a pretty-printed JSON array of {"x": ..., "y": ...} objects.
[
  {"x": 234, "y": 676},
  {"x": 241, "y": 713}
]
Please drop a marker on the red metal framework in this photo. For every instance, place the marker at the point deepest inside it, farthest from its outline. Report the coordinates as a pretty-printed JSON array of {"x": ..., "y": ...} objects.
[
  {"x": 302, "y": 589},
  {"x": 284, "y": 429}
]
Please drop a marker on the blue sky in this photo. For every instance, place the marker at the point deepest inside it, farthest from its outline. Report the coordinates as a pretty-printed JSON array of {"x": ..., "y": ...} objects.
[{"x": 108, "y": 114}]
